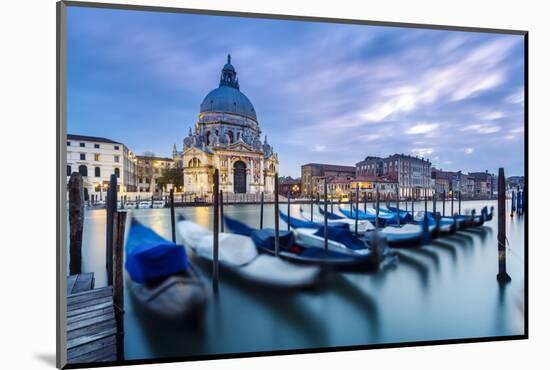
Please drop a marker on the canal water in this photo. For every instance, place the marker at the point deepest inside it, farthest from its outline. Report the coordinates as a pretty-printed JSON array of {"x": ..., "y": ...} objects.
[{"x": 445, "y": 290}]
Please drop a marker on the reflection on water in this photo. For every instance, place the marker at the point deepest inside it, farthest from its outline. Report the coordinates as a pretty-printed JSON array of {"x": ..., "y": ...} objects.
[{"x": 445, "y": 290}]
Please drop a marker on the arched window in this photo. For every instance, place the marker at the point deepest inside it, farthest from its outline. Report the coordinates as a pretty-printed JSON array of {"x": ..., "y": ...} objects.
[
  {"x": 230, "y": 134},
  {"x": 83, "y": 170},
  {"x": 68, "y": 170},
  {"x": 117, "y": 172},
  {"x": 194, "y": 162},
  {"x": 97, "y": 172},
  {"x": 208, "y": 138}
]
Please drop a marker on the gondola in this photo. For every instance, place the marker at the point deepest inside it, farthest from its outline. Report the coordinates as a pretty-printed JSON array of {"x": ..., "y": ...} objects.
[
  {"x": 362, "y": 225},
  {"x": 238, "y": 255},
  {"x": 160, "y": 276},
  {"x": 294, "y": 251},
  {"x": 383, "y": 218},
  {"x": 340, "y": 238}
]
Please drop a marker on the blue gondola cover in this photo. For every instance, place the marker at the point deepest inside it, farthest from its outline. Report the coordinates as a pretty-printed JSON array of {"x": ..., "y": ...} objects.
[{"x": 150, "y": 257}]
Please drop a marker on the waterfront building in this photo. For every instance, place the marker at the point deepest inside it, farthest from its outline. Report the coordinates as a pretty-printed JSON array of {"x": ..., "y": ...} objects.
[
  {"x": 483, "y": 184},
  {"x": 96, "y": 158},
  {"x": 313, "y": 172},
  {"x": 339, "y": 187},
  {"x": 513, "y": 182},
  {"x": 227, "y": 137},
  {"x": 287, "y": 184},
  {"x": 411, "y": 173},
  {"x": 149, "y": 170}
]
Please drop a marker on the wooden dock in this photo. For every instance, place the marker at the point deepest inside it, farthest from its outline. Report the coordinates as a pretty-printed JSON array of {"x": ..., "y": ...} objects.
[{"x": 91, "y": 323}]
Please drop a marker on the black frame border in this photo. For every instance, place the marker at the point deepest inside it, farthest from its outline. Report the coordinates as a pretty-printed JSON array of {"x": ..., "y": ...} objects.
[{"x": 60, "y": 150}]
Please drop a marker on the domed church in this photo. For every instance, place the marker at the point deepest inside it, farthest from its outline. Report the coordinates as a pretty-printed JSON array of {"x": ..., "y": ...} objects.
[{"x": 227, "y": 137}]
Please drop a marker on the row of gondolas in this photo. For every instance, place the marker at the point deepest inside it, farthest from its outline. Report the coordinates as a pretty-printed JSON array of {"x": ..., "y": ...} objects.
[{"x": 165, "y": 282}]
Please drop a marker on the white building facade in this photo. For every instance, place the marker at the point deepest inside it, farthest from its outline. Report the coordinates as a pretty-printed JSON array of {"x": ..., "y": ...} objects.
[{"x": 96, "y": 158}]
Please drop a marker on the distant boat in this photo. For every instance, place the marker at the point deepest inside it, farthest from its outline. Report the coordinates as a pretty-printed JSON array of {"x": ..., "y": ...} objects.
[
  {"x": 158, "y": 204},
  {"x": 161, "y": 277},
  {"x": 238, "y": 255},
  {"x": 297, "y": 252}
]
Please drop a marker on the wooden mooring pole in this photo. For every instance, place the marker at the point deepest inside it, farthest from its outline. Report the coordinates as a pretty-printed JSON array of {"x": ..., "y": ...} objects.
[
  {"x": 111, "y": 209},
  {"x": 262, "y": 210},
  {"x": 444, "y": 201},
  {"x": 119, "y": 226},
  {"x": 356, "y": 208},
  {"x": 459, "y": 202},
  {"x": 222, "y": 222},
  {"x": 310, "y": 209},
  {"x": 397, "y": 205},
  {"x": 215, "y": 246},
  {"x": 76, "y": 222},
  {"x": 172, "y": 216},
  {"x": 377, "y": 207},
  {"x": 277, "y": 214},
  {"x": 325, "y": 229},
  {"x": 288, "y": 210},
  {"x": 502, "y": 276}
]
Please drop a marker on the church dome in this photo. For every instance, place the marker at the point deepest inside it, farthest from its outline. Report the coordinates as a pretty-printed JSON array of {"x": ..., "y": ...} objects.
[{"x": 227, "y": 98}]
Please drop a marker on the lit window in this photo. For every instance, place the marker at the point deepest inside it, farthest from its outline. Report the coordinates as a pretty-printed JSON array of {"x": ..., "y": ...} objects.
[{"x": 96, "y": 157}]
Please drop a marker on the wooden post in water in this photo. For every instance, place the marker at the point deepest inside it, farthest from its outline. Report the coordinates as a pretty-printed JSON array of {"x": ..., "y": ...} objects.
[
  {"x": 444, "y": 201},
  {"x": 215, "y": 246},
  {"x": 119, "y": 222},
  {"x": 153, "y": 200},
  {"x": 365, "y": 204},
  {"x": 377, "y": 207},
  {"x": 518, "y": 201},
  {"x": 325, "y": 229},
  {"x": 137, "y": 202},
  {"x": 459, "y": 202},
  {"x": 350, "y": 204},
  {"x": 288, "y": 210},
  {"x": 310, "y": 209},
  {"x": 222, "y": 222},
  {"x": 277, "y": 214},
  {"x": 412, "y": 205},
  {"x": 331, "y": 202},
  {"x": 502, "y": 276},
  {"x": 425, "y": 201},
  {"x": 397, "y": 205},
  {"x": 356, "y": 207},
  {"x": 111, "y": 209},
  {"x": 172, "y": 215},
  {"x": 433, "y": 201},
  {"x": 262, "y": 210},
  {"x": 76, "y": 223},
  {"x": 513, "y": 204}
]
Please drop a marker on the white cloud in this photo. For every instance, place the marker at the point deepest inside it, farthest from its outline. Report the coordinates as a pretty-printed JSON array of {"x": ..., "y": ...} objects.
[
  {"x": 516, "y": 98},
  {"x": 319, "y": 148},
  {"x": 422, "y": 128},
  {"x": 491, "y": 116},
  {"x": 468, "y": 150},
  {"x": 422, "y": 152},
  {"x": 481, "y": 129}
]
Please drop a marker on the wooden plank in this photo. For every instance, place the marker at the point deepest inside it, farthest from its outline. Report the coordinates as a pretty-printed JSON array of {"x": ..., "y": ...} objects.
[
  {"x": 78, "y": 353},
  {"x": 83, "y": 282},
  {"x": 89, "y": 315},
  {"x": 71, "y": 279},
  {"x": 73, "y": 295},
  {"x": 89, "y": 309},
  {"x": 89, "y": 334},
  {"x": 106, "y": 353},
  {"x": 89, "y": 295},
  {"x": 97, "y": 301},
  {"x": 91, "y": 321},
  {"x": 87, "y": 330}
]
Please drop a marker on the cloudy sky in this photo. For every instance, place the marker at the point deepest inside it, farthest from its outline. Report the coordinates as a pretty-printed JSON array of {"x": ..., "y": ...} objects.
[{"x": 328, "y": 93}]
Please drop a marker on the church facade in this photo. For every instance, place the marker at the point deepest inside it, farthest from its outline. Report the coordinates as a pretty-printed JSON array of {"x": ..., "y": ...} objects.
[{"x": 227, "y": 137}]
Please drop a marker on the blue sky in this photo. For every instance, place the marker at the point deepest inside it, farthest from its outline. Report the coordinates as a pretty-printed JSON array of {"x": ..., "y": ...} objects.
[{"x": 329, "y": 93}]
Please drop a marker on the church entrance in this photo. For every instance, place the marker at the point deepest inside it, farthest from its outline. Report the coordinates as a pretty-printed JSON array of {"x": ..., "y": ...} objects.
[{"x": 239, "y": 177}]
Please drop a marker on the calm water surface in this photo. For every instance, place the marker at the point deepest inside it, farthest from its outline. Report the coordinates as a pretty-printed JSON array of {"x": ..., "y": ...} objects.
[{"x": 445, "y": 290}]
